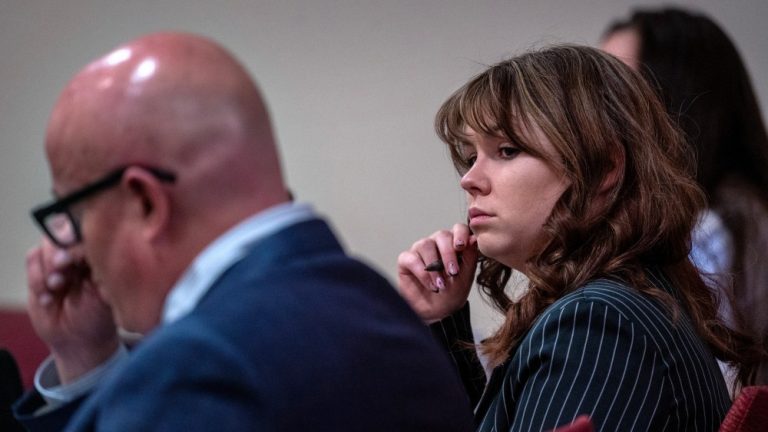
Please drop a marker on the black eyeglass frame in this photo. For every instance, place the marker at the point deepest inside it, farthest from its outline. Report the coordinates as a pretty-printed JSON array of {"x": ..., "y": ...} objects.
[{"x": 61, "y": 205}]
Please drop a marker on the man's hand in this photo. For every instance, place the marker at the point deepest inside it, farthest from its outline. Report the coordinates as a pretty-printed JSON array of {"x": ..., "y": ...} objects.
[{"x": 67, "y": 312}]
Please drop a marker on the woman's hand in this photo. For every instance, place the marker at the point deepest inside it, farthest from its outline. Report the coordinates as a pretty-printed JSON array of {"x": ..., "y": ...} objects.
[{"x": 436, "y": 273}]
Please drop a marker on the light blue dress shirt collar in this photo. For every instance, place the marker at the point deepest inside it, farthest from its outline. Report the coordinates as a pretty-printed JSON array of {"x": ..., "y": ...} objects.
[
  {"x": 199, "y": 277},
  {"x": 224, "y": 252}
]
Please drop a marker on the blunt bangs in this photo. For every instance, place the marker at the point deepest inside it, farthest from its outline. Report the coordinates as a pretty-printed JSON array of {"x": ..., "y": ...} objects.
[{"x": 494, "y": 103}]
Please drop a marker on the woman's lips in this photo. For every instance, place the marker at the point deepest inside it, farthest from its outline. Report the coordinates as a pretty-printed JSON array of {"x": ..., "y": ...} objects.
[{"x": 477, "y": 216}]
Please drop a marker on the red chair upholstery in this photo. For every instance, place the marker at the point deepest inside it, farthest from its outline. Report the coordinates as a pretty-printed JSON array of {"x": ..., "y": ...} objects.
[
  {"x": 749, "y": 412},
  {"x": 18, "y": 337},
  {"x": 581, "y": 424}
]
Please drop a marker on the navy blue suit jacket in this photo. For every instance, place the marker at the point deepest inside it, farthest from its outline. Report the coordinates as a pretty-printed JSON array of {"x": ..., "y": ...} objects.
[{"x": 297, "y": 336}]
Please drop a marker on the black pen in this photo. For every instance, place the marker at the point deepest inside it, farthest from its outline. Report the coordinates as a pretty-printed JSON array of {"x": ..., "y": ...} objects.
[
  {"x": 435, "y": 266},
  {"x": 438, "y": 266}
]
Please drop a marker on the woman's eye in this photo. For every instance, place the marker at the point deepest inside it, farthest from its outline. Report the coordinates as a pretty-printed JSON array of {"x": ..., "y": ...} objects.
[
  {"x": 470, "y": 160},
  {"x": 509, "y": 152}
]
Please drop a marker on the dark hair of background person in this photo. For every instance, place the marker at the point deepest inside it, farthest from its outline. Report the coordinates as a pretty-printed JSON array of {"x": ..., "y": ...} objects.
[
  {"x": 606, "y": 125},
  {"x": 705, "y": 86}
]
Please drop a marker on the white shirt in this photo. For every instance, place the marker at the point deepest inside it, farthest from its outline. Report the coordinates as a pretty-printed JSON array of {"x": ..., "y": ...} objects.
[
  {"x": 712, "y": 245},
  {"x": 215, "y": 259},
  {"x": 712, "y": 253}
]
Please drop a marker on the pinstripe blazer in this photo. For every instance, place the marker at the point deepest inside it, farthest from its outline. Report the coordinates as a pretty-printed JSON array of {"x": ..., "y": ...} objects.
[{"x": 605, "y": 350}]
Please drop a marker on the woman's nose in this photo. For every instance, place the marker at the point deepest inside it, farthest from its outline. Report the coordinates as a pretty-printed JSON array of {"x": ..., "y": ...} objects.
[{"x": 474, "y": 181}]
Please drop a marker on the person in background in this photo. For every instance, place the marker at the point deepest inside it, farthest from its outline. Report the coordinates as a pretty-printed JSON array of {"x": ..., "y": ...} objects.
[
  {"x": 705, "y": 87},
  {"x": 172, "y": 220},
  {"x": 575, "y": 176}
]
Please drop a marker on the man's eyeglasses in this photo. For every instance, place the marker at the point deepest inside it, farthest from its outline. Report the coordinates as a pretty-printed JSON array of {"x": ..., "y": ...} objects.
[{"x": 56, "y": 219}]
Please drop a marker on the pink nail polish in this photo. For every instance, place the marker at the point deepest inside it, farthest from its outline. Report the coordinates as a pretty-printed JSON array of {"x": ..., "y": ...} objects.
[
  {"x": 452, "y": 269},
  {"x": 440, "y": 283}
]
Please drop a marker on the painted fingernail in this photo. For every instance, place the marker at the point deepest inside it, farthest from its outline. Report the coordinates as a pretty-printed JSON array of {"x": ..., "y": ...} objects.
[
  {"x": 61, "y": 258},
  {"x": 433, "y": 287},
  {"x": 440, "y": 283},
  {"x": 452, "y": 269},
  {"x": 54, "y": 280}
]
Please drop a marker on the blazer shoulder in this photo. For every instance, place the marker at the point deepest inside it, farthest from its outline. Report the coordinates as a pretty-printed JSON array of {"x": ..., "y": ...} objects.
[
  {"x": 622, "y": 304},
  {"x": 615, "y": 295}
]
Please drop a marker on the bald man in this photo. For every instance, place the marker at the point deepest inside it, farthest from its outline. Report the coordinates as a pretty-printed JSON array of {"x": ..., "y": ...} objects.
[{"x": 172, "y": 220}]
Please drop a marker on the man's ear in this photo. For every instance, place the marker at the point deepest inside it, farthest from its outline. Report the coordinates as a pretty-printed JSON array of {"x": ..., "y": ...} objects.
[{"x": 152, "y": 202}]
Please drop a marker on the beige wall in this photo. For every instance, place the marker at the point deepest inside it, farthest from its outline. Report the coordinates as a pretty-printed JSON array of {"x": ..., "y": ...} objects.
[{"x": 352, "y": 85}]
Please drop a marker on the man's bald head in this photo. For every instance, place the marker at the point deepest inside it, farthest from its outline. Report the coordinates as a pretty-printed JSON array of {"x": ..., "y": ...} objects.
[
  {"x": 177, "y": 102},
  {"x": 173, "y": 99}
]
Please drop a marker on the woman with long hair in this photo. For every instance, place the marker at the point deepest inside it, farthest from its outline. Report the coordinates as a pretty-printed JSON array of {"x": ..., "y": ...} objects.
[
  {"x": 704, "y": 85},
  {"x": 576, "y": 177}
]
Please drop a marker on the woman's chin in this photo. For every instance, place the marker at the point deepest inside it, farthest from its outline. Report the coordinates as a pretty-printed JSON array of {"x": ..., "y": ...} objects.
[{"x": 494, "y": 252}]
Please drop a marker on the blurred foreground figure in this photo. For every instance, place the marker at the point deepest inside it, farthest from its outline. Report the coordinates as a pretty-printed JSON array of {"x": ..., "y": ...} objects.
[{"x": 173, "y": 221}]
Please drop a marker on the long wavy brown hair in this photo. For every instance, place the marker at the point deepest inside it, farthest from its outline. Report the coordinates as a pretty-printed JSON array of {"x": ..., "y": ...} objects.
[
  {"x": 704, "y": 84},
  {"x": 604, "y": 121}
]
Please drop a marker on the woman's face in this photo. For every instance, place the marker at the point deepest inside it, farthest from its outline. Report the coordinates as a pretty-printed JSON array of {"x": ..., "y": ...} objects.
[
  {"x": 624, "y": 45},
  {"x": 510, "y": 195}
]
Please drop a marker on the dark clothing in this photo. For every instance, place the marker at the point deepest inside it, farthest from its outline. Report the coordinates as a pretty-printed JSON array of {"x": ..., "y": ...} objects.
[
  {"x": 605, "y": 350},
  {"x": 297, "y": 336},
  {"x": 10, "y": 390}
]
